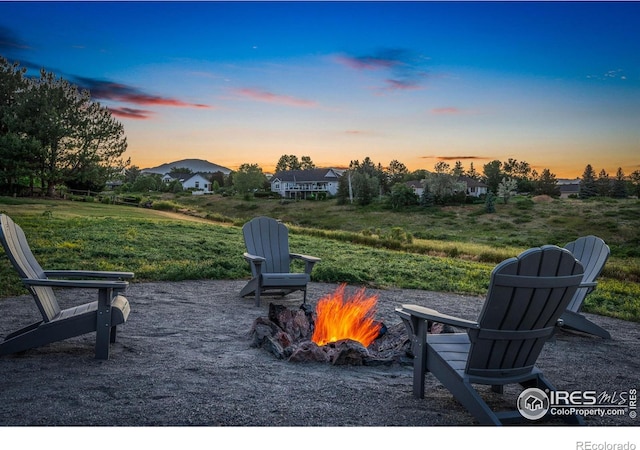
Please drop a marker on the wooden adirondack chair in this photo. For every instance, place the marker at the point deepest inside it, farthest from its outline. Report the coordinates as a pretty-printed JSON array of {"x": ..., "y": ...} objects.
[
  {"x": 593, "y": 253},
  {"x": 102, "y": 316},
  {"x": 267, "y": 244},
  {"x": 526, "y": 297}
]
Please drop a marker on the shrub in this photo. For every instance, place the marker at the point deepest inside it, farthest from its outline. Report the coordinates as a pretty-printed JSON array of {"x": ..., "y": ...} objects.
[{"x": 165, "y": 205}]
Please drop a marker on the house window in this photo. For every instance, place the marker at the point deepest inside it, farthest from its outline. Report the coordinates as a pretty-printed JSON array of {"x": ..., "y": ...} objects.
[{"x": 197, "y": 185}]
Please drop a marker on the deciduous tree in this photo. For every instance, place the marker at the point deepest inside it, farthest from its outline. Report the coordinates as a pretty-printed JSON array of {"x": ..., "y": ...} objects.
[{"x": 248, "y": 178}]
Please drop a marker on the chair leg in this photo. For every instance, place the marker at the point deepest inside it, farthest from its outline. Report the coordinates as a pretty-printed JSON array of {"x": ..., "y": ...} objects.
[
  {"x": 578, "y": 322},
  {"x": 257, "y": 296},
  {"x": 103, "y": 323}
]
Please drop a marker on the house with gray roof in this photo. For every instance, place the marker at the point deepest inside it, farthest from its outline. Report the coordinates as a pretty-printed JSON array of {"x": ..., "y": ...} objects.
[
  {"x": 303, "y": 184},
  {"x": 473, "y": 187},
  {"x": 198, "y": 183}
]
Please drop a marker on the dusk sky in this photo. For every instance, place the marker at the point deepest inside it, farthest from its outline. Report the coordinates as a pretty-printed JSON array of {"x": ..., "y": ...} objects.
[{"x": 554, "y": 84}]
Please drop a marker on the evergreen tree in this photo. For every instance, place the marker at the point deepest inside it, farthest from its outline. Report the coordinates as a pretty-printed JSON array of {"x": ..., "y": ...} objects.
[
  {"x": 547, "y": 184},
  {"x": 490, "y": 202},
  {"x": 634, "y": 179},
  {"x": 396, "y": 172},
  {"x": 603, "y": 184},
  {"x": 472, "y": 173},
  {"x": 426, "y": 198},
  {"x": 619, "y": 186},
  {"x": 588, "y": 187},
  {"x": 458, "y": 169}
]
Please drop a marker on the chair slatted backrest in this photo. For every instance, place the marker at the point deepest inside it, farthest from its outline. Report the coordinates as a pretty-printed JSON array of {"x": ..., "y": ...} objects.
[
  {"x": 266, "y": 237},
  {"x": 593, "y": 253},
  {"x": 17, "y": 248},
  {"x": 526, "y": 297}
]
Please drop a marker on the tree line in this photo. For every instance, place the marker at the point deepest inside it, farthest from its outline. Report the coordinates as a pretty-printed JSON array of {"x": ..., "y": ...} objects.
[
  {"x": 366, "y": 181},
  {"x": 52, "y": 134}
]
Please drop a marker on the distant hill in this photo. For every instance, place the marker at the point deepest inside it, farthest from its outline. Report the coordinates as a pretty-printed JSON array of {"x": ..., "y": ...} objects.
[{"x": 195, "y": 165}]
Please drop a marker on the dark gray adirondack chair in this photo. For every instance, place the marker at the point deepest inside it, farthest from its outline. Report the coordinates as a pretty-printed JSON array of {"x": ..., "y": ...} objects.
[
  {"x": 526, "y": 297},
  {"x": 267, "y": 244},
  {"x": 593, "y": 253},
  {"x": 102, "y": 316}
]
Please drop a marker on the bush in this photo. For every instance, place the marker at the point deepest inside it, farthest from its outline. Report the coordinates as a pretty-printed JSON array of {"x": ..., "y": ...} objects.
[
  {"x": 524, "y": 203},
  {"x": 165, "y": 205}
]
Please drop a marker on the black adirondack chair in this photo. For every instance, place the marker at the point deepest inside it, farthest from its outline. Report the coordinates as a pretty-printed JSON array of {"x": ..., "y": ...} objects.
[
  {"x": 267, "y": 245},
  {"x": 526, "y": 297},
  {"x": 593, "y": 253},
  {"x": 101, "y": 316}
]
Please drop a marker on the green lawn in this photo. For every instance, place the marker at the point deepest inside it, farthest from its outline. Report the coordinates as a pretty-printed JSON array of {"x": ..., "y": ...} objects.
[{"x": 452, "y": 253}]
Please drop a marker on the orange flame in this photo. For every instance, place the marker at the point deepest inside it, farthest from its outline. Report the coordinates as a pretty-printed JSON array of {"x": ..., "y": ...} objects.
[{"x": 339, "y": 318}]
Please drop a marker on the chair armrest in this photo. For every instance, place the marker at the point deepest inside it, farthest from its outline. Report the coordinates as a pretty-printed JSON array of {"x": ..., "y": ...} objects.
[
  {"x": 87, "y": 274},
  {"x": 309, "y": 261},
  {"x": 254, "y": 258},
  {"x": 308, "y": 258},
  {"x": 431, "y": 314},
  {"x": 94, "y": 284},
  {"x": 591, "y": 285}
]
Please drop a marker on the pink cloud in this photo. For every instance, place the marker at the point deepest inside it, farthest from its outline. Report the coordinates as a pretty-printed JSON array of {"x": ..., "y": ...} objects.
[
  {"x": 270, "y": 97},
  {"x": 401, "y": 85},
  {"x": 131, "y": 113},
  {"x": 109, "y": 90},
  {"x": 366, "y": 62},
  {"x": 446, "y": 110}
]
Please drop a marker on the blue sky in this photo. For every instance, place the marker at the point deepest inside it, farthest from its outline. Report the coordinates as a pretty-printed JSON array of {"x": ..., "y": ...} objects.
[{"x": 554, "y": 84}]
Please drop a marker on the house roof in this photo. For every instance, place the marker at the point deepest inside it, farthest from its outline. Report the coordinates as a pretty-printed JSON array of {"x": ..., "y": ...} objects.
[
  {"x": 471, "y": 182},
  {"x": 183, "y": 176},
  {"x": 306, "y": 175}
]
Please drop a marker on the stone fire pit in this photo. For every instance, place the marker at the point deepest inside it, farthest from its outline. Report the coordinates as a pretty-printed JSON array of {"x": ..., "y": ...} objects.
[{"x": 286, "y": 333}]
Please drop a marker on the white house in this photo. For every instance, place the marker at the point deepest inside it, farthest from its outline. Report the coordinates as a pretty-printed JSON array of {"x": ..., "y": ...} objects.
[
  {"x": 416, "y": 186},
  {"x": 569, "y": 187},
  {"x": 473, "y": 187},
  {"x": 196, "y": 182},
  {"x": 305, "y": 183}
]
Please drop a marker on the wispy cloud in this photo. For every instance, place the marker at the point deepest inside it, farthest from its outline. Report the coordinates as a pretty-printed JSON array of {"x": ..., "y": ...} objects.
[
  {"x": 9, "y": 41},
  {"x": 405, "y": 68},
  {"x": 446, "y": 110},
  {"x": 270, "y": 97},
  {"x": 617, "y": 74},
  {"x": 453, "y": 158},
  {"x": 131, "y": 113},
  {"x": 108, "y": 90}
]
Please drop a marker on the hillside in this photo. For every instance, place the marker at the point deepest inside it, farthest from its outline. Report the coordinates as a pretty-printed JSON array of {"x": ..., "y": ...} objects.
[{"x": 195, "y": 165}]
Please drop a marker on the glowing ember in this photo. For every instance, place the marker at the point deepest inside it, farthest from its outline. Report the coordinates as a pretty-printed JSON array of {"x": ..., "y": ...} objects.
[{"x": 339, "y": 318}]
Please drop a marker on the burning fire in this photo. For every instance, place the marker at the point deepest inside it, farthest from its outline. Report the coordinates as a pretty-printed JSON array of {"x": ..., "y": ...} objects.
[{"x": 339, "y": 318}]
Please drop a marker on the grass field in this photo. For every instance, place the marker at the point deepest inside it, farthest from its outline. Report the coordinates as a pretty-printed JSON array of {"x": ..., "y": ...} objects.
[{"x": 450, "y": 249}]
